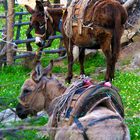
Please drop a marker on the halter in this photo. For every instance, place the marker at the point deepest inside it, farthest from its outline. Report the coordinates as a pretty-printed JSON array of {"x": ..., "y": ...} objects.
[
  {"x": 46, "y": 17},
  {"x": 42, "y": 26}
]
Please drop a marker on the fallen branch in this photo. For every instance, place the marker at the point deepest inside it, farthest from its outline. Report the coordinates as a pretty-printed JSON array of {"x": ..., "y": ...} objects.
[{"x": 129, "y": 3}]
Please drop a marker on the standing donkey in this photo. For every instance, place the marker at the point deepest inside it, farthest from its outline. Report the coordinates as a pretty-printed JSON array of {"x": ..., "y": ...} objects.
[
  {"x": 46, "y": 22},
  {"x": 83, "y": 111},
  {"x": 95, "y": 24}
]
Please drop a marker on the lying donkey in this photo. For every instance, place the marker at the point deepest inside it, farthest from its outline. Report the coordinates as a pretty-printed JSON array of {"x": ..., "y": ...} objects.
[{"x": 82, "y": 111}]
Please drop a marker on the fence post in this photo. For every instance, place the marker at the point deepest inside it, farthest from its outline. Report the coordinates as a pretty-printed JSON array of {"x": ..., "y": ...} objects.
[{"x": 10, "y": 31}]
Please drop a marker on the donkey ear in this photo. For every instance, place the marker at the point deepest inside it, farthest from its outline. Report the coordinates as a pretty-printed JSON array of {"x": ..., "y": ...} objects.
[
  {"x": 37, "y": 73},
  {"x": 48, "y": 69},
  {"x": 39, "y": 6},
  {"x": 29, "y": 9}
]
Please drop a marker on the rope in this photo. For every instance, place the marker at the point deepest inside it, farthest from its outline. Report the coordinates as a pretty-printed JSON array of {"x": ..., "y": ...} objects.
[
  {"x": 68, "y": 22},
  {"x": 65, "y": 101}
]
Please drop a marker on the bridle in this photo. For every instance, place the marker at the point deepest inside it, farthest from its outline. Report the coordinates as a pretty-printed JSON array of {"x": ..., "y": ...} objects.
[{"x": 47, "y": 17}]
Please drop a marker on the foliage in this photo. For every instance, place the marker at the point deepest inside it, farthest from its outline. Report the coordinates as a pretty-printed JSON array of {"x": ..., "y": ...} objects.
[{"x": 129, "y": 85}]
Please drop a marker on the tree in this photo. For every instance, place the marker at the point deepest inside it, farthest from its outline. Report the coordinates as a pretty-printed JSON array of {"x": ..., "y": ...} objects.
[{"x": 10, "y": 31}]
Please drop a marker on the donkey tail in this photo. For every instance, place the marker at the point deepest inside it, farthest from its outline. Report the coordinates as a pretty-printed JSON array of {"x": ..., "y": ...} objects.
[{"x": 120, "y": 16}]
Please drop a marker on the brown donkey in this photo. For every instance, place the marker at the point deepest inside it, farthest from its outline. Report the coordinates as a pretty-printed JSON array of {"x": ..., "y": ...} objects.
[
  {"x": 83, "y": 111},
  {"x": 95, "y": 24},
  {"x": 46, "y": 21}
]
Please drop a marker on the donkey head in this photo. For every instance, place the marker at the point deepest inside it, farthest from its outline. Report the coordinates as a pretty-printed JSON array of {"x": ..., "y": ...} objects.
[
  {"x": 38, "y": 21},
  {"x": 41, "y": 22},
  {"x": 33, "y": 92}
]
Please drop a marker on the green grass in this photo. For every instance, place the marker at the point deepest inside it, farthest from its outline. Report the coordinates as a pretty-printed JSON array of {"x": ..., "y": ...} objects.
[
  {"x": 128, "y": 83},
  {"x": 13, "y": 77}
]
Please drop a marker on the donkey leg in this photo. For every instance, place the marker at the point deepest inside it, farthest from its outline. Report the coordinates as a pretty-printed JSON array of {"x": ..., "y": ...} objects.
[
  {"x": 38, "y": 54},
  {"x": 70, "y": 65},
  {"x": 60, "y": 47},
  {"x": 105, "y": 46},
  {"x": 69, "y": 48},
  {"x": 114, "y": 60},
  {"x": 108, "y": 69},
  {"x": 81, "y": 60},
  {"x": 115, "y": 53},
  {"x": 28, "y": 35}
]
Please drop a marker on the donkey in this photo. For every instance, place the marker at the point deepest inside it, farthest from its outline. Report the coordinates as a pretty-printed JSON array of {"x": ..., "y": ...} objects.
[
  {"x": 95, "y": 119},
  {"x": 45, "y": 21},
  {"x": 53, "y": 24},
  {"x": 96, "y": 24}
]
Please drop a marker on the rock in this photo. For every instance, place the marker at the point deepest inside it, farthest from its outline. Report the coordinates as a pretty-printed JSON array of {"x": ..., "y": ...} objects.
[
  {"x": 135, "y": 63},
  {"x": 8, "y": 115},
  {"x": 129, "y": 59},
  {"x": 128, "y": 53}
]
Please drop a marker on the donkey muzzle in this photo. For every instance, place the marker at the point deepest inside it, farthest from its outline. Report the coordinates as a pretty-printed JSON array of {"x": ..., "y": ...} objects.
[
  {"x": 38, "y": 40},
  {"x": 23, "y": 112}
]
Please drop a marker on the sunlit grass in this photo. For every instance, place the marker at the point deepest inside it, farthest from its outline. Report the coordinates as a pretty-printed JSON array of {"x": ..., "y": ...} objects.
[{"x": 12, "y": 78}]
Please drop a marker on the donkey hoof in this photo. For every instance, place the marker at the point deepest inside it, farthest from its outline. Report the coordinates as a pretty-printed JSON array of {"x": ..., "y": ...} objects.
[
  {"x": 68, "y": 80},
  {"x": 82, "y": 76}
]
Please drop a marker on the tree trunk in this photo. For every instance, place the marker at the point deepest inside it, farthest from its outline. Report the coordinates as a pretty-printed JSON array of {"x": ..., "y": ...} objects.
[{"x": 10, "y": 31}]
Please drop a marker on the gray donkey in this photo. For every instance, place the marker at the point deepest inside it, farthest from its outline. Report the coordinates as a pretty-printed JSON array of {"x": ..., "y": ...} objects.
[{"x": 83, "y": 111}]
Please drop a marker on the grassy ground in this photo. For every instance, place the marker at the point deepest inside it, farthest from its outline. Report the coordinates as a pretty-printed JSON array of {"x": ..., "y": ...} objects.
[{"x": 12, "y": 78}]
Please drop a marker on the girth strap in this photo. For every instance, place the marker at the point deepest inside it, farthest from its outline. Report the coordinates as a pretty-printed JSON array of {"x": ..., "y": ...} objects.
[
  {"x": 93, "y": 122},
  {"x": 81, "y": 127}
]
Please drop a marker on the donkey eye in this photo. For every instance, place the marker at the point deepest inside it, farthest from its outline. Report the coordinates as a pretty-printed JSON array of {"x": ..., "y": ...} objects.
[{"x": 25, "y": 91}]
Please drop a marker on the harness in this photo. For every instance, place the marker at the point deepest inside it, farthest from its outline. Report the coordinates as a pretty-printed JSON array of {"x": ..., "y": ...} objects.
[
  {"x": 81, "y": 98},
  {"x": 60, "y": 25},
  {"x": 93, "y": 122}
]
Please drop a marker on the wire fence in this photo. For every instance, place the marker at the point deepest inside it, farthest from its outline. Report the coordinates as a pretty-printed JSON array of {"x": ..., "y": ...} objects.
[{"x": 14, "y": 43}]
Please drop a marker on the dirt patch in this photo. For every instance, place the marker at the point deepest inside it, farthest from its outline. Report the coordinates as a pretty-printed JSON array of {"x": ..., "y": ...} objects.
[
  {"x": 127, "y": 56},
  {"x": 129, "y": 51}
]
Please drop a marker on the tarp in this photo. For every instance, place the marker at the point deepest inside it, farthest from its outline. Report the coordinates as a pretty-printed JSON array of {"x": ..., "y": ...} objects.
[{"x": 27, "y": 2}]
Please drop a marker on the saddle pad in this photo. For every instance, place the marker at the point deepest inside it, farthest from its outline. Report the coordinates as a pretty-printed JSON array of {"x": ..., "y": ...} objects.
[
  {"x": 85, "y": 99},
  {"x": 75, "y": 17}
]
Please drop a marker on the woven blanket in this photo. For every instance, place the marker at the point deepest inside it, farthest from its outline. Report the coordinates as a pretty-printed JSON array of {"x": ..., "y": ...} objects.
[{"x": 76, "y": 12}]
